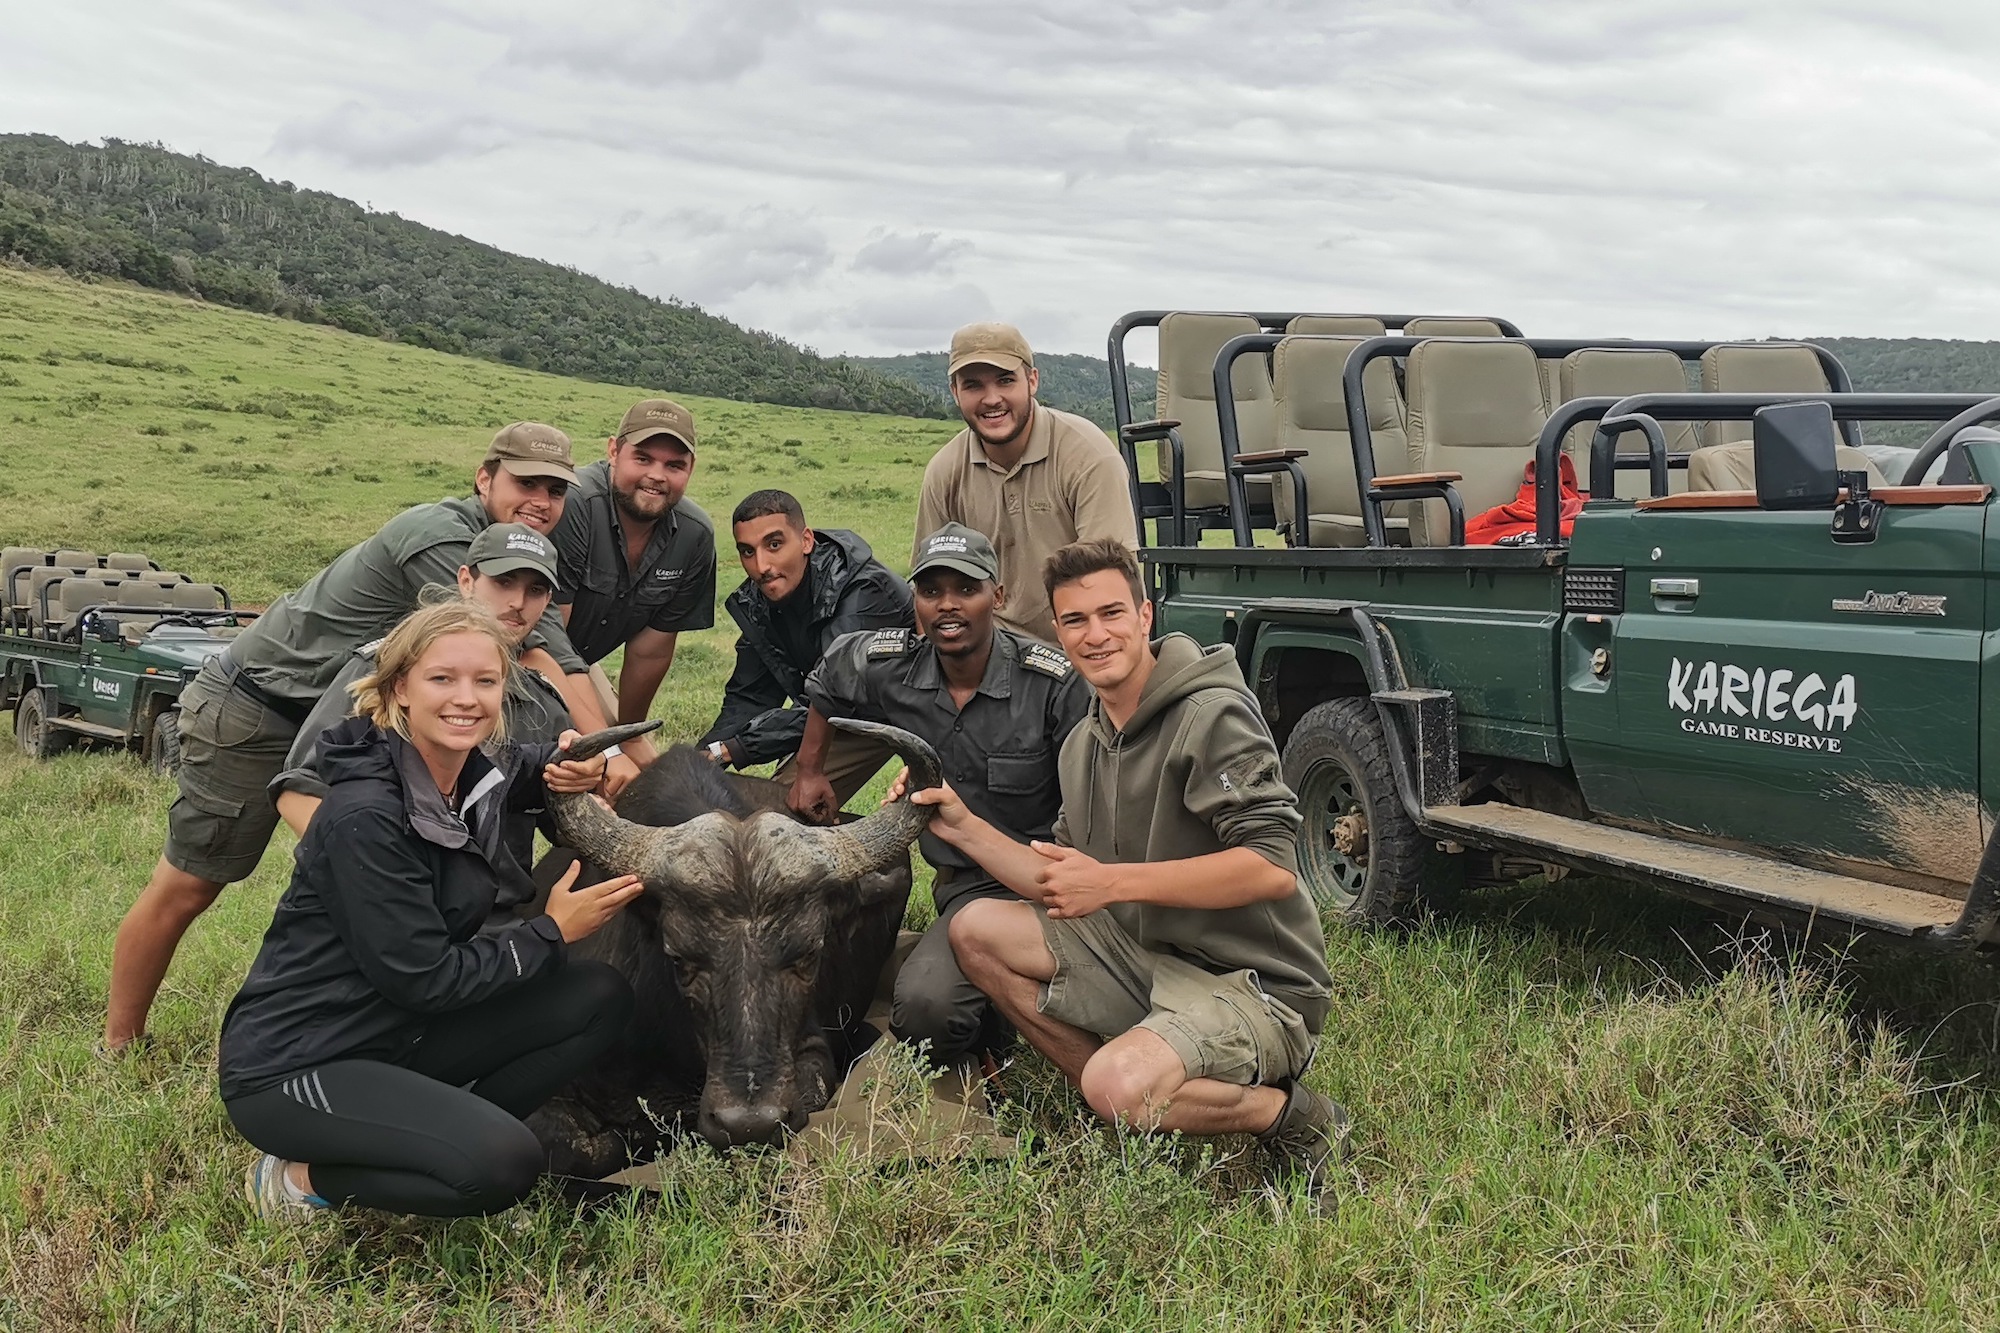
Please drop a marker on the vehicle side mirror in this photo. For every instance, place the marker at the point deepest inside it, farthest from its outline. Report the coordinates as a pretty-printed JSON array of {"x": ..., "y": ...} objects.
[
  {"x": 1792, "y": 447},
  {"x": 108, "y": 629}
]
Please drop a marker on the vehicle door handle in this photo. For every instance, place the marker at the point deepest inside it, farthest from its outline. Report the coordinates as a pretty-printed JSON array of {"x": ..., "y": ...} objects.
[{"x": 1689, "y": 588}]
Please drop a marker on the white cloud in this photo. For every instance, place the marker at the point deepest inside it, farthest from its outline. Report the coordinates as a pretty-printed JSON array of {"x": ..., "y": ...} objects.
[{"x": 865, "y": 174}]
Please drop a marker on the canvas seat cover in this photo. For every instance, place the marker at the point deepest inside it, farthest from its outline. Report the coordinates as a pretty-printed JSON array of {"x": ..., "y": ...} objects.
[
  {"x": 1475, "y": 408},
  {"x": 1756, "y": 368},
  {"x": 1621, "y": 372},
  {"x": 1312, "y": 415},
  {"x": 1188, "y": 344}
]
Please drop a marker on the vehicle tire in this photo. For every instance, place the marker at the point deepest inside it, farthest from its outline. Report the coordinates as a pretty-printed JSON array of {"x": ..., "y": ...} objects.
[
  {"x": 32, "y": 732},
  {"x": 1359, "y": 854},
  {"x": 164, "y": 753}
]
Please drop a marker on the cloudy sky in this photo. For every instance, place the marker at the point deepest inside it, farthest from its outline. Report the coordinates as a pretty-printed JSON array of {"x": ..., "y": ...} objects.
[{"x": 863, "y": 175}]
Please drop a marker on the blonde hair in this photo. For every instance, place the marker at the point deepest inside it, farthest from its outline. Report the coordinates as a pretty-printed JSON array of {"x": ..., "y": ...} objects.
[{"x": 375, "y": 693}]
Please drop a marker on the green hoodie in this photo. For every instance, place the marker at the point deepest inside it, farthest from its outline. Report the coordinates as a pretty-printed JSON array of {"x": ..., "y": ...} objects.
[{"x": 1195, "y": 772}]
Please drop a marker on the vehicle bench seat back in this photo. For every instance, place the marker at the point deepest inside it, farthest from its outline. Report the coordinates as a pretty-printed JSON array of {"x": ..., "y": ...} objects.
[
  {"x": 14, "y": 558},
  {"x": 72, "y": 595},
  {"x": 1621, "y": 372},
  {"x": 78, "y": 559},
  {"x": 1475, "y": 408},
  {"x": 1452, "y": 326},
  {"x": 1189, "y": 341},
  {"x": 1756, "y": 368},
  {"x": 155, "y": 596},
  {"x": 131, "y": 560},
  {"x": 197, "y": 597},
  {"x": 1733, "y": 467},
  {"x": 1355, "y": 326},
  {"x": 39, "y": 579},
  {"x": 1312, "y": 415}
]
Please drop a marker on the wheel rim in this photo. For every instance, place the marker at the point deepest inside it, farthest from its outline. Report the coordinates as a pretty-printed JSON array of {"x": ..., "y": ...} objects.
[
  {"x": 1333, "y": 847},
  {"x": 28, "y": 721}
]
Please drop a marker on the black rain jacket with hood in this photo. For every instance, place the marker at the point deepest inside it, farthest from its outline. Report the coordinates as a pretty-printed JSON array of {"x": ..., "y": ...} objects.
[
  {"x": 849, "y": 590},
  {"x": 380, "y": 927}
]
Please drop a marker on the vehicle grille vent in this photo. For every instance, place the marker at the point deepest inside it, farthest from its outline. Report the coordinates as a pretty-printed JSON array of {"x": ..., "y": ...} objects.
[{"x": 1594, "y": 591}]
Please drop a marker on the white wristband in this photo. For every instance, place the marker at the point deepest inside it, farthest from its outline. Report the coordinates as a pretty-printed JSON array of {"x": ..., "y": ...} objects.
[{"x": 615, "y": 751}]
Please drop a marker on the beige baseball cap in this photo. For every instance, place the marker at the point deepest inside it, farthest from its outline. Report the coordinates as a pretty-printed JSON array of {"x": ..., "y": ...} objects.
[
  {"x": 989, "y": 344},
  {"x": 655, "y": 417},
  {"x": 530, "y": 449}
]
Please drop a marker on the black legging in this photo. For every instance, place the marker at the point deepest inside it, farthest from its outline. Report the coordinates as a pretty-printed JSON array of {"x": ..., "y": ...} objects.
[{"x": 413, "y": 1138}]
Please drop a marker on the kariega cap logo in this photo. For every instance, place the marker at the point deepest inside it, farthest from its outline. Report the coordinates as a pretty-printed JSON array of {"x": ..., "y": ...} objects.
[
  {"x": 947, "y": 543},
  {"x": 527, "y": 541},
  {"x": 1726, "y": 700}
]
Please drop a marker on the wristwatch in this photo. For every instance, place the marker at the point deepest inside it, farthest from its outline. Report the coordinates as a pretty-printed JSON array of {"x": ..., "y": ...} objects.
[{"x": 718, "y": 750}]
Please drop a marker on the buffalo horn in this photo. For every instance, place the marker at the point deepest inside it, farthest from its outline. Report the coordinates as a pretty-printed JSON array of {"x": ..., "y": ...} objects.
[
  {"x": 617, "y": 846},
  {"x": 849, "y": 851}
]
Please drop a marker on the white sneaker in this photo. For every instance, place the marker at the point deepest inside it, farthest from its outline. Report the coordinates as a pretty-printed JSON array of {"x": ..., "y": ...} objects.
[{"x": 264, "y": 1186}]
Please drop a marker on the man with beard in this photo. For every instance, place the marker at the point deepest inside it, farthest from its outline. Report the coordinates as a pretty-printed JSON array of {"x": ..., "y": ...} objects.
[
  {"x": 638, "y": 564},
  {"x": 805, "y": 588},
  {"x": 996, "y": 706},
  {"x": 240, "y": 715},
  {"x": 1030, "y": 478}
]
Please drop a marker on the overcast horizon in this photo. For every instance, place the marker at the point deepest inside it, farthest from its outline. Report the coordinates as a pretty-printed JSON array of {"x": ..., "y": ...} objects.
[{"x": 863, "y": 177}]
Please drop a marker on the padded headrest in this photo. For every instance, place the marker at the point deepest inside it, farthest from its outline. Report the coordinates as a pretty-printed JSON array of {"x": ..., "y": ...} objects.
[
  {"x": 1367, "y": 326},
  {"x": 1761, "y": 368},
  {"x": 1470, "y": 392},
  {"x": 197, "y": 596},
  {"x": 1306, "y": 376},
  {"x": 1451, "y": 326},
  {"x": 79, "y": 593},
  {"x": 143, "y": 592},
  {"x": 1188, "y": 344},
  {"x": 126, "y": 560},
  {"x": 78, "y": 559}
]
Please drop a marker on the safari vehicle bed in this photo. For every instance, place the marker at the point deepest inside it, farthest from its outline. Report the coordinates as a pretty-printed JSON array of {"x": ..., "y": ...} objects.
[
  {"x": 98, "y": 648},
  {"x": 1747, "y": 670}
]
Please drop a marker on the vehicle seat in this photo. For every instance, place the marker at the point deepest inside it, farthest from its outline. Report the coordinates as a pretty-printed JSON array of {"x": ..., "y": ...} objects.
[
  {"x": 1733, "y": 467},
  {"x": 1475, "y": 408},
  {"x": 1756, "y": 368},
  {"x": 78, "y": 559},
  {"x": 197, "y": 597},
  {"x": 1358, "y": 326},
  {"x": 1312, "y": 415},
  {"x": 1452, "y": 326},
  {"x": 1188, "y": 343},
  {"x": 1620, "y": 372},
  {"x": 131, "y": 560},
  {"x": 76, "y": 594},
  {"x": 11, "y": 559},
  {"x": 38, "y": 579}
]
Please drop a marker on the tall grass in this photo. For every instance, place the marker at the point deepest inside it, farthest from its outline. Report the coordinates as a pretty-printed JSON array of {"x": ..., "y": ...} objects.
[{"x": 1578, "y": 1105}]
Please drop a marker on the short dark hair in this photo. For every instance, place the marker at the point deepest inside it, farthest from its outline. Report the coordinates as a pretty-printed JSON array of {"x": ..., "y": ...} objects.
[
  {"x": 1079, "y": 560},
  {"x": 763, "y": 504}
]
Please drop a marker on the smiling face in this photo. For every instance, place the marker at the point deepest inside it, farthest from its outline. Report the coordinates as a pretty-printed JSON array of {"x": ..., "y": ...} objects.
[
  {"x": 774, "y": 551},
  {"x": 998, "y": 404},
  {"x": 955, "y": 611},
  {"x": 650, "y": 477},
  {"x": 536, "y": 501},
  {"x": 1103, "y": 629},
  {"x": 517, "y": 598},
  {"x": 452, "y": 697}
]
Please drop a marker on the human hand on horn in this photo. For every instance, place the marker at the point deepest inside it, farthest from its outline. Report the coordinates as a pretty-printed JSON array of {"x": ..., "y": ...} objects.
[
  {"x": 573, "y": 776},
  {"x": 897, "y": 788},
  {"x": 580, "y": 913},
  {"x": 618, "y": 771},
  {"x": 949, "y": 812},
  {"x": 811, "y": 798}
]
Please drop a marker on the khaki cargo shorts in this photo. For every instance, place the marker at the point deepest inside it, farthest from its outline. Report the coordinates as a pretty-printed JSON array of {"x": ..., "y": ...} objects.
[
  {"x": 1221, "y": 1024},
  {"x": 231, "y": 748}
]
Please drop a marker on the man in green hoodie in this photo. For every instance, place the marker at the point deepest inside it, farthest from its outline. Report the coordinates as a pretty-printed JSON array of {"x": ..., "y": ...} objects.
[{"x": 1168, "y": 959}]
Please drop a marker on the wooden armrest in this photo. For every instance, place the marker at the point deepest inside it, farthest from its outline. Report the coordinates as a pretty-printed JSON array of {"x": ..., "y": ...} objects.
[
  {"x": 1273, "y": 456},
  {"x": 1419, "y": 479},
  {"x": 1140, "y": 429},
  {"x": 1894, "y": 496}
]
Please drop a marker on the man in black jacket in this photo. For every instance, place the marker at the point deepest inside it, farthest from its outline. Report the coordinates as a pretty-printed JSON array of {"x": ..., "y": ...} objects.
[{"x": 806, "y": 588}]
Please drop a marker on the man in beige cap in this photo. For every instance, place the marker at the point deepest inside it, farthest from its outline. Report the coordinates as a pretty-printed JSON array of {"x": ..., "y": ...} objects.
[
  {"x": 240, "y": 715},
  {"x": 1030, "y": 478},
  {"x": 638, "y": 564}
]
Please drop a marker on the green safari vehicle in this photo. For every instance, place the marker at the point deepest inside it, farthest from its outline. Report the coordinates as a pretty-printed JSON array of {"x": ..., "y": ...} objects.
[
  {"x": 1741, "y": 665},
  {"x": 98, "y": 648}
]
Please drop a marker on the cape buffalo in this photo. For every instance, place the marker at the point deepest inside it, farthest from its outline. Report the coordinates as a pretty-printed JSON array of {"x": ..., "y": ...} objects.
[{"x": 754, "y": 951}]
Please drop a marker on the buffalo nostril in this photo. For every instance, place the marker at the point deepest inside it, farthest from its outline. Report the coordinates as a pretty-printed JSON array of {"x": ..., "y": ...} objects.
[{"x": 741, "y": 1125}]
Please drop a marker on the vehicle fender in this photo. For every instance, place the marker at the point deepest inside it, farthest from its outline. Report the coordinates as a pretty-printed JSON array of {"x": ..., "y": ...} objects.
[{"x": 1292, "y": 665}]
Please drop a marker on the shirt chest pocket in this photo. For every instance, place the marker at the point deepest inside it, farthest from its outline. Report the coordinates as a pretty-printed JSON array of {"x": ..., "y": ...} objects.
[{"x": 1021, "y": 774}]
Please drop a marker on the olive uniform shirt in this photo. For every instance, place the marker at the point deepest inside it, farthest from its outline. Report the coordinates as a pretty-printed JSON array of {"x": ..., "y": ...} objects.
[
  {"x": 1070, "y": 485},
  {"x": 999, "y": 752},
  {"x": 673, "y": 588},
  {"x": 296, "y": 648}
]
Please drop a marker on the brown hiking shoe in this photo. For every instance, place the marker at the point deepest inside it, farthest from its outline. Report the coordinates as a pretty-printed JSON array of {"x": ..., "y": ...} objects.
[{"x": 1309, "y": 1138}]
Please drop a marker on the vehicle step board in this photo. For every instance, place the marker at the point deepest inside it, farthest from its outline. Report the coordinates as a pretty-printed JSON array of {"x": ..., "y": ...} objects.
[
  {"x": 83, "y": 728},
  {"x": 1796, "y": 888}
]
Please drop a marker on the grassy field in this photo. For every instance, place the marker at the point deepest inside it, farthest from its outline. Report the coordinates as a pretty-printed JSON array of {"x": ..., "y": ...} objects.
[{"x": 1577, "y": 1105}]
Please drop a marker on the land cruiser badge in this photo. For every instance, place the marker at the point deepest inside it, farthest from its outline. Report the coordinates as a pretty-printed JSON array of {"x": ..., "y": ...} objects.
[{"x": 1872, "y": 603}]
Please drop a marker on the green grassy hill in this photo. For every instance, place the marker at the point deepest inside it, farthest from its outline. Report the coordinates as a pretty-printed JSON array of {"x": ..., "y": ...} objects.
[
  {"x": 185, "y": 224},
  {"x": 1577, "y": 1105}
]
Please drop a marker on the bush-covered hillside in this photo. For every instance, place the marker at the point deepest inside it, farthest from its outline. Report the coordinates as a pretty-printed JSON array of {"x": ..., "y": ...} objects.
[{"x": 185, "y": 224}]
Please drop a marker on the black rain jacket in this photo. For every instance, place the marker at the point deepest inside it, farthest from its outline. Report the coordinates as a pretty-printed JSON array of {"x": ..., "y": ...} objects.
[
  {"x": 850, "y": 590},
  {"x": 380, "y": 927}
]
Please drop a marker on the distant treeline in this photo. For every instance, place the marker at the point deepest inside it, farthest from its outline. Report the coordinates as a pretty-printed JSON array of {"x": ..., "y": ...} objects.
[
  {"x": 1069, "y": 380},
  {"x": 185, "y": 224}
]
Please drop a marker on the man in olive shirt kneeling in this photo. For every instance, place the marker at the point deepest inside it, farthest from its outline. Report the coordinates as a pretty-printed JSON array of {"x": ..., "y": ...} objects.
[{"x": 1168, "y": 959}]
